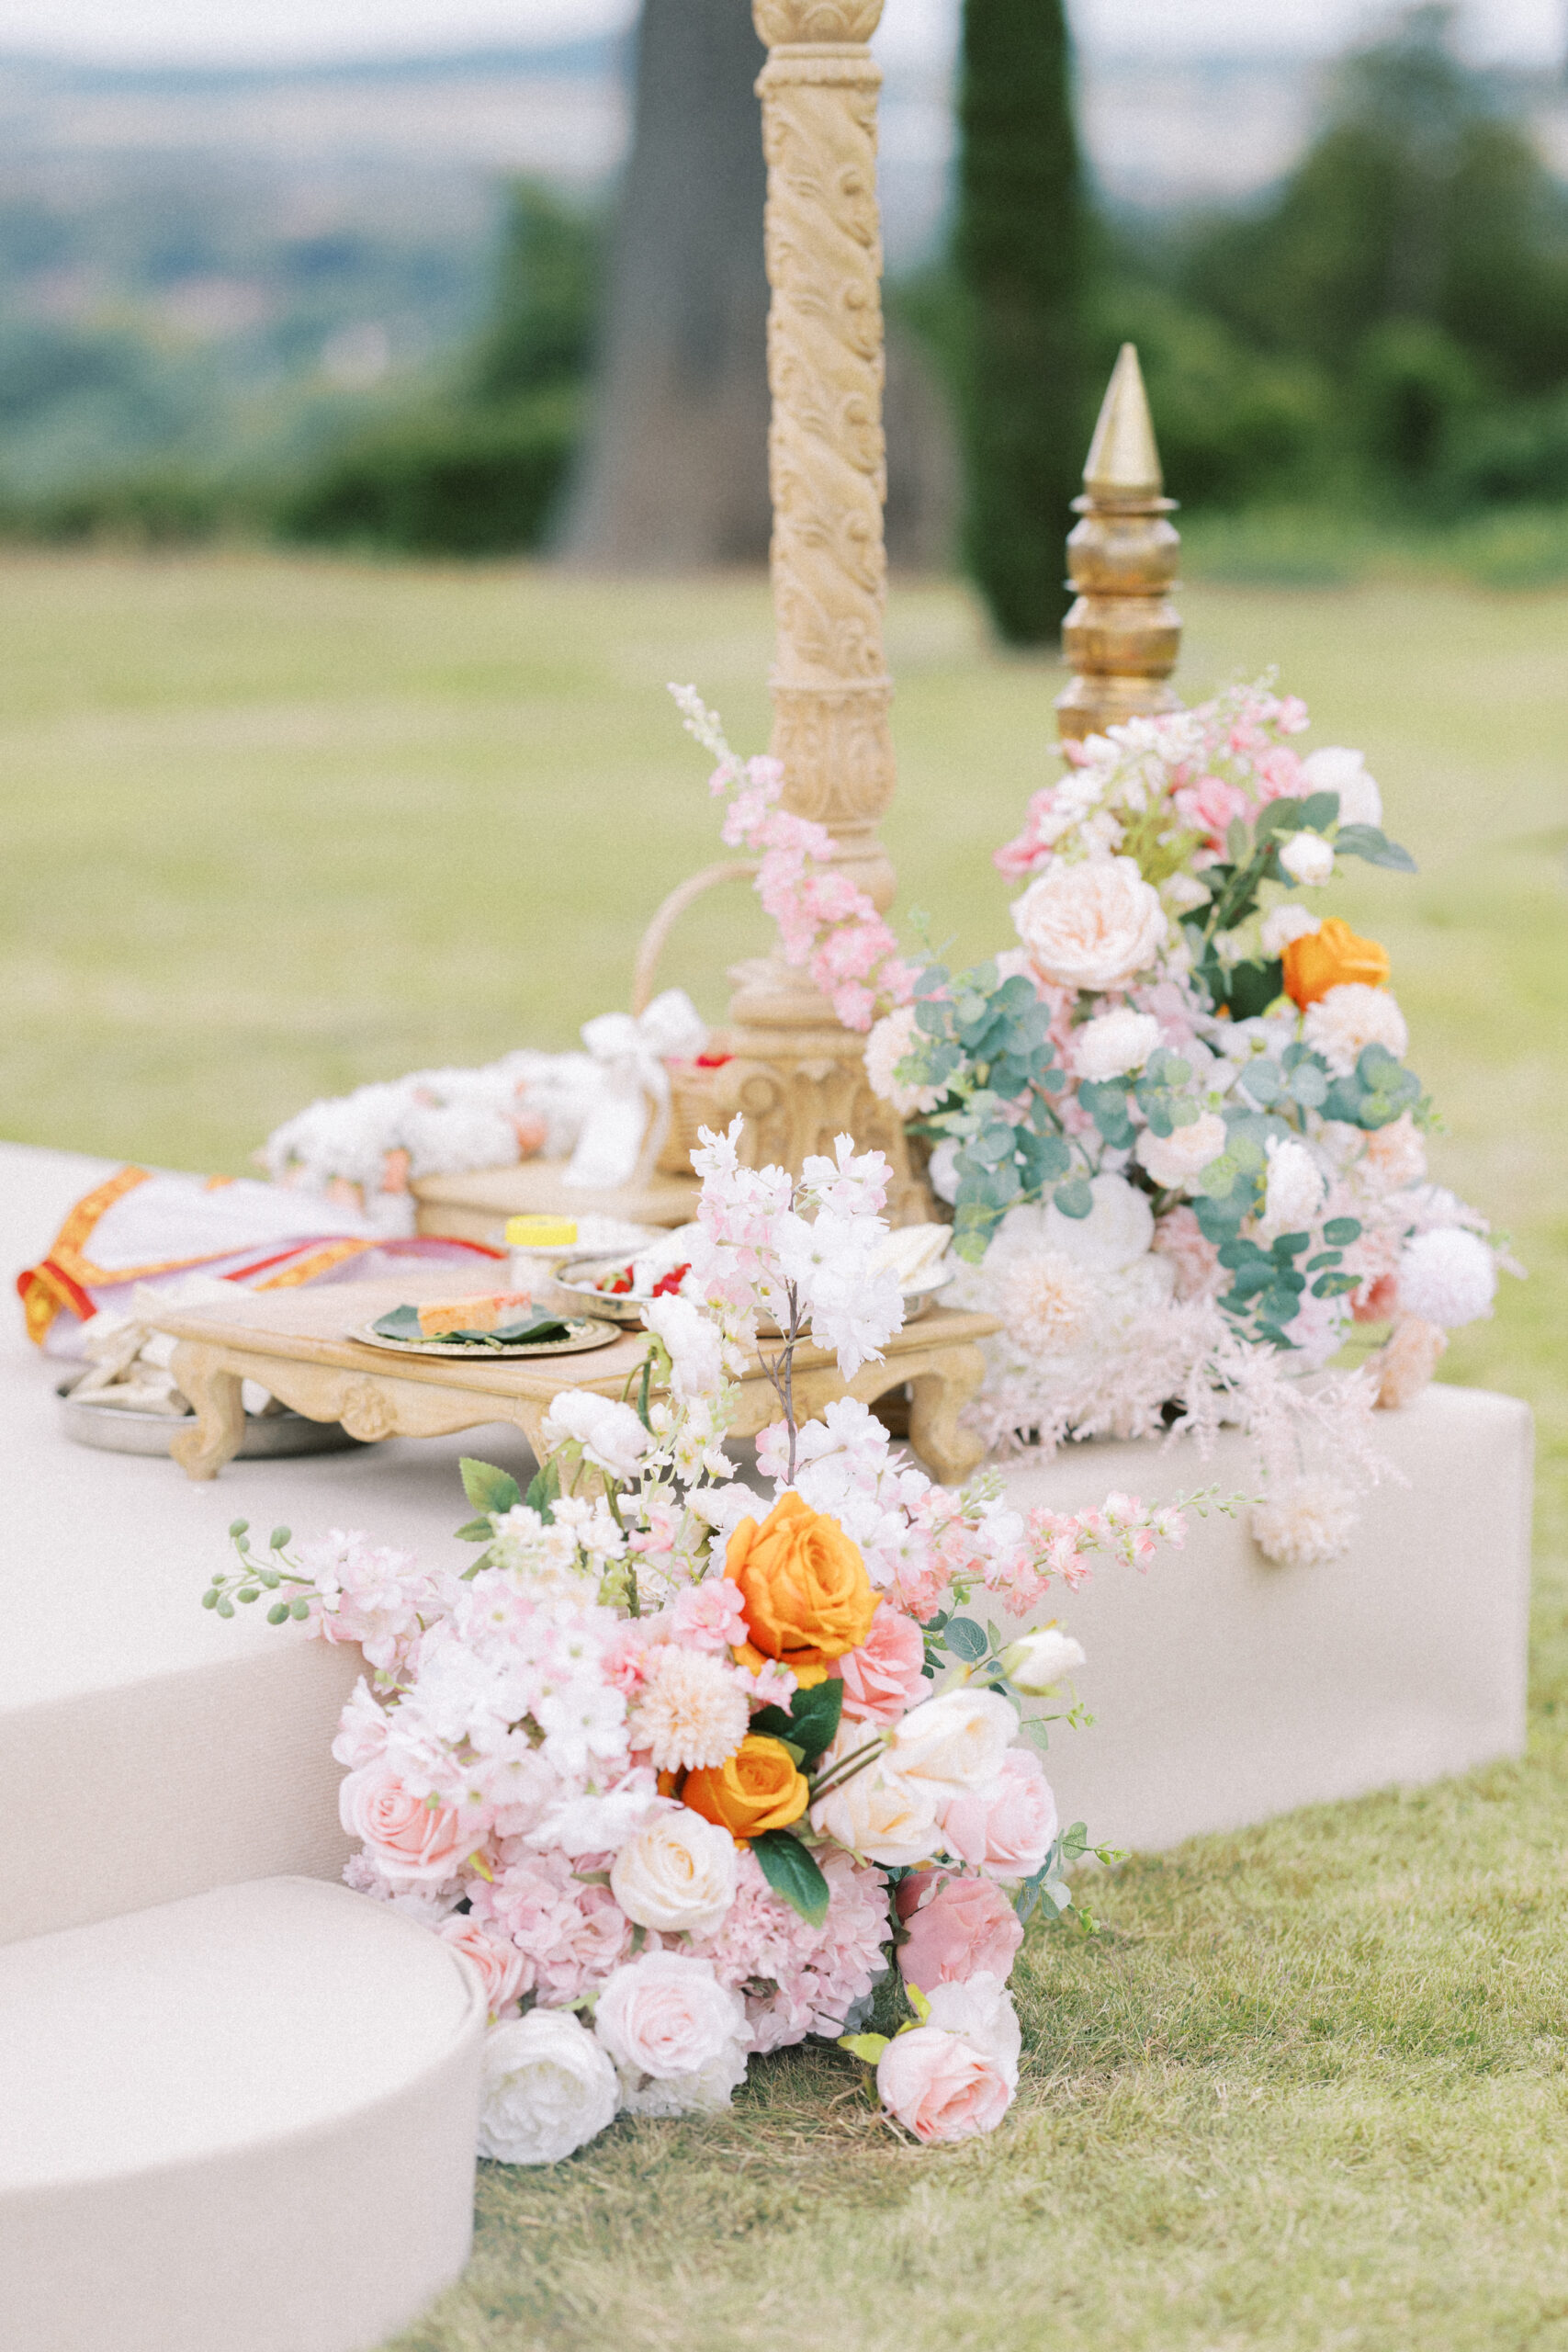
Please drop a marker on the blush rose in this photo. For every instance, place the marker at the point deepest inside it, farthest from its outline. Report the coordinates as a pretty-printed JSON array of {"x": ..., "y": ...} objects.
[{"x": 958, "y": 1927}]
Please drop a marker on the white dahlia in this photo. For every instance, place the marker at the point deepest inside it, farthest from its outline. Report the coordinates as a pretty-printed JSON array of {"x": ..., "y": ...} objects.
[
  {"x": 691, "y": 1712},
  {"x": 1447, "y": 1276}
]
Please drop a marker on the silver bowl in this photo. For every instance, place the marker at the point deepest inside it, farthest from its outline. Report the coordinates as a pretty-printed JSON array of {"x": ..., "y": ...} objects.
[{"x": 269, "y": 1437}]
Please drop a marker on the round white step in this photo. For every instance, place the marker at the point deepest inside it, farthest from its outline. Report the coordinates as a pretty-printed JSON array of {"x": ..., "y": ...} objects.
[{"x": 246, "y": 2120}]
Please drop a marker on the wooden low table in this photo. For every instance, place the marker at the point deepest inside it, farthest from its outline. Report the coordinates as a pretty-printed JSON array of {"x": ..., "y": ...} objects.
[
  {"x": 293, "y": 1343},
  {"x": 475, "y": 1208}
]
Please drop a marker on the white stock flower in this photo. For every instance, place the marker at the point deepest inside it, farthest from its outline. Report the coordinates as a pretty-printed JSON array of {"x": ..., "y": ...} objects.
[
  {"x": 1447, "y": 1276},
  {"x": 1307, "y": 858},
  {"x": 694, "y": 1342},
  {"x": 581, "y": 1721},
  {"x": 1284, "y": 923},
  {"x": 1178, "y": 1158},
  {"x": 597, "y": 1825},
  {"x": 677, "y": 1874},
  {"x": 691, "y": 1712},
  {"x": 1294, "y": 1190},
  {"x": 955, "y": 1741},
  {"x": 1095, "y": 925},
  {"x": 1114, "y": 1042},
  {"x": 1335, "y": 769},
  {"x": 853, "y": 1307},
  {"x": 1341, "y": 1024},
  {"x": 668, "y": 2016},
  {"x": 886, "y": 1048},
  {"x": 547, "y": 2087},
  {"x": 1037, "y": 1661},
  {"x": 610, "y": 1433}
]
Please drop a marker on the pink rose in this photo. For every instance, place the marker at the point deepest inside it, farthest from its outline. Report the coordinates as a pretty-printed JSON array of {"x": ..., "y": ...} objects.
[
  {"x": 668, "y": 2016},
  {"x": 958, "y": 1927},
  {"x": 1008, "y": 1827},
  {"x": 1211, "y": 803},
  {"x": 500, "y": 1964},
  {"x": 940, "y": 2088},
  {"x": 407, "y": 1836},
  {"x": 886, "y": 1674}
]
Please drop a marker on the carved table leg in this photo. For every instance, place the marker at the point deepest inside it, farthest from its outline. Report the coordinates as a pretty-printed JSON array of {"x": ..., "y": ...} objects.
[
  {"x": 937, "y": 1397},
  {"x": 218, "y": 1430}
]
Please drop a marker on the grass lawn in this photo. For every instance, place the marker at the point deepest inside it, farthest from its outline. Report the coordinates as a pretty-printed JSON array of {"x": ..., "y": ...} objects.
[{"x": 274, "y": 826}]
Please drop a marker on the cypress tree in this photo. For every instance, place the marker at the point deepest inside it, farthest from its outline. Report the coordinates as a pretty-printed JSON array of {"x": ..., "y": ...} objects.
[{"x": 1018, "y": 248}]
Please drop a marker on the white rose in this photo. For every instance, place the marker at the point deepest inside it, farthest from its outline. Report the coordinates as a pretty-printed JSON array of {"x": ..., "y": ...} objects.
[
  {"x": 1176, "y": 1159},
  {"x": 1293, "y": 1193},
  {"x": 546, "y": 2089},
  {"x": 1342, "y": 1025},
  {"x": 1333, "y": 769},
  {"x": 954, "y": 1742},
  {"x": 1093, "y": 925},
  {"x": 1118, "y": 1228},
  {"x": 677, "y": 1874},
  {"x": 942, "y": 1171},
  {"x": 876, "y": 1814},
  {"x": 668, "y": 2016},
  {"x": 694, "y": 1342},
  {"x": 1285, "y": 923},
  {"x": 1307, "y": 858},
  {"x": 1114, "y": 1043},
  {"x": 1037, "y": 1661},
  {"x": 610, "y": 1433},
  {"x": 886, "y": 1048},
  {"x": 980, "y": 2011}
]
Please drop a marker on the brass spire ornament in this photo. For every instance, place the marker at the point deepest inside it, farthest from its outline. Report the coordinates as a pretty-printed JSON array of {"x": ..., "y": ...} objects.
[
  {"x": 1122, "y": 635},
  {"x": 797, "y": 1074}
]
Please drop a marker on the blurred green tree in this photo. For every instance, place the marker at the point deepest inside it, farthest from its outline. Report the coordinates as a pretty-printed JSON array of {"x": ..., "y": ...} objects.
[
  {"x": 1019, "y": 252},
  {"x": 1418, "y": 253}
]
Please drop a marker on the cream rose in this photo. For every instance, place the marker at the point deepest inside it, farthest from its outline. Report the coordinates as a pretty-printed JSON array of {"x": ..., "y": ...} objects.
[
  {"x": 1335, "y": 769},
  {"x": 1094, "y": 925},
  {"x": 1307, "y": 858},
  {"x": 546, "y": 2089},
  {"x": 612, "y": 1437},
  {"x": 1037, "y": 1661},
  {"x": 877, "y": 1813},
  {"x": 677, "y": 1874},
  {"x": 668, "y": 2016},
  {"x": 1176, "y": 1159},
  {"x": 954, "y": 1742}
]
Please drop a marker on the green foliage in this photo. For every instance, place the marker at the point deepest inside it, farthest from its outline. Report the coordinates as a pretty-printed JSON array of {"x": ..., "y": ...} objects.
[
  {"x": 445, "y": 482},
  {"x": 488, "y": 1488},
  {"x": 793, "y": 1872},
  {"x": 540, "y": 335},
  {"x": 811, "y": 1722},
  {"x": 1020, "y": 258}
]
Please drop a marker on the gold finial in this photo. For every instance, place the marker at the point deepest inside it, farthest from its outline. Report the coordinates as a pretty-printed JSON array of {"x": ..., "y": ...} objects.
[
  {"x": 1122, "y": 459},
  {"x": 1122, "y": 636}
]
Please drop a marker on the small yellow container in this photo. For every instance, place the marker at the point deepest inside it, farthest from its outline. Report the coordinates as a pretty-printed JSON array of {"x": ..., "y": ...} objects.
[{"x": 541, "y": 1232}]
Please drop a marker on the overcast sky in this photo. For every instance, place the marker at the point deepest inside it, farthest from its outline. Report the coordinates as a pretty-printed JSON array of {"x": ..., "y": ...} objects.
[{"x": 1530, "y": 30}]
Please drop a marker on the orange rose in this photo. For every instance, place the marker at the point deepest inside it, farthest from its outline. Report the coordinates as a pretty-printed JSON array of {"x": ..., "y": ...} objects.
[
  {"x": 803, "y": 1584},
  {"x": 1324, "y": 959},
  {"x": 758, "y": 1787}
]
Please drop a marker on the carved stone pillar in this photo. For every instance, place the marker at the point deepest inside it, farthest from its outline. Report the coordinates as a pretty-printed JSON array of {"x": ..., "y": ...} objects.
[
  {"x": 1122, "y": 636},
  {"x": 798, "y": 1073}
]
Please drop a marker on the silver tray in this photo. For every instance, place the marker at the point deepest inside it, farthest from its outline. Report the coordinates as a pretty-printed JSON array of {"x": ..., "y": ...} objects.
[{"x": 269, "y": 1437}]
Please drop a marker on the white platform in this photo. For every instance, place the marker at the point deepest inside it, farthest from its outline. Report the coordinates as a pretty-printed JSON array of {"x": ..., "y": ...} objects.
[
  {"x": 245, "y": 2120},
  {"x": 150, "y": 1749},
  {"x": 1225, "y": 1689}
]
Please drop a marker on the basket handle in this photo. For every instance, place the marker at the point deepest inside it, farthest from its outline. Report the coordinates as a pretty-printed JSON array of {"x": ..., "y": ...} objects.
[{"x": 667, "y": 914}]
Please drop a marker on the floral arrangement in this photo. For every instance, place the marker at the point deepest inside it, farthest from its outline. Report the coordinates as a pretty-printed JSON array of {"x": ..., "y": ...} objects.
[
  {"x": 689, "y": 1774},
  {"x": 1182, "y": 1146}
]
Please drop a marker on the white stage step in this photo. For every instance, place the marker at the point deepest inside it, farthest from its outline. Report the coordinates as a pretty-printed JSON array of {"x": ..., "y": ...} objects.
[
  {"x": 245, "y": 2120},
  {"x": 149, "y": 1748}
]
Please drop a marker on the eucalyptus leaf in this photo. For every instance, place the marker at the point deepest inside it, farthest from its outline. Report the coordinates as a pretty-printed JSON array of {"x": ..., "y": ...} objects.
[{"x": 966, "y": 1639}]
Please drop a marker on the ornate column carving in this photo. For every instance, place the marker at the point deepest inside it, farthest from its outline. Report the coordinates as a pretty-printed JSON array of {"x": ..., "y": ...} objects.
[
  {"x": 1122, "y": 636},
  {"x": 798, "y": 1074}
]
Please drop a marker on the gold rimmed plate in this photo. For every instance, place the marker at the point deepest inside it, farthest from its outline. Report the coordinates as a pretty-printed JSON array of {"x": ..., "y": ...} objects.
[{"x": 582, "y": 1333}]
